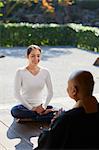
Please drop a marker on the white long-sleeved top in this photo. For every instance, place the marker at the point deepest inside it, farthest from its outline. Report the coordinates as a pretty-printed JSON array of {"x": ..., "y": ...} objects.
[{"x": 28, "y": 87}]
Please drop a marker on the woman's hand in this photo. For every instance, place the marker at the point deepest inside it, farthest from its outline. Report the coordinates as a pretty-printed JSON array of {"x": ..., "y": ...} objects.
[
  {"x": 39, "y": 109},
  {"x": 46, "y": 111}
]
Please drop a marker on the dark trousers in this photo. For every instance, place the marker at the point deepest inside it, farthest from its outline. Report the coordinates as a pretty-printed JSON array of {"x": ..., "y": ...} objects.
[{"x": 22, "y": 112}]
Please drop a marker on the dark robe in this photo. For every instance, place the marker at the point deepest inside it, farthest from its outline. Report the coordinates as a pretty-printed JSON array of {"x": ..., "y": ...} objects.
[{"x": 71, "y": 130}]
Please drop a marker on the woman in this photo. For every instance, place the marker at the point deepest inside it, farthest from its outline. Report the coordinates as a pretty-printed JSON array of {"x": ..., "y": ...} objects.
[{"x": 29, "y": 85}]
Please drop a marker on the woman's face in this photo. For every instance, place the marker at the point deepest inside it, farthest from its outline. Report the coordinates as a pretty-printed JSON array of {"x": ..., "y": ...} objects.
[{"x": 34, "y": 57}]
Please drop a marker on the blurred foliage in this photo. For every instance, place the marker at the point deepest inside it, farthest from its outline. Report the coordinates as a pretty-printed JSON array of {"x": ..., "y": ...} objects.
[
  {"x": 9, "y": 5},
  {"x": 88, "y": 4},
  {"x": 23, "y": 34},
  {"x": 1, "y": 6}
]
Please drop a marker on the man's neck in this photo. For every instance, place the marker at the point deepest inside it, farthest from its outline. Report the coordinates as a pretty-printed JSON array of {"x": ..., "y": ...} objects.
[{"x": 88, "y": 103}]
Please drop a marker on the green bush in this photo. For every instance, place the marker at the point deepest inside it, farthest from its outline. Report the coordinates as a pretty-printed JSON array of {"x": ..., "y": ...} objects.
[
  {"x": 86, "y": 37},
  {"x": 24, "y": 34}
]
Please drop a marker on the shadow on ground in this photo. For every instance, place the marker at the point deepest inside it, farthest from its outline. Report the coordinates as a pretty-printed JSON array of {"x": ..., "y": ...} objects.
[
  {"x": 25, "y": 133},
  {"x": 47, "y": 52}
]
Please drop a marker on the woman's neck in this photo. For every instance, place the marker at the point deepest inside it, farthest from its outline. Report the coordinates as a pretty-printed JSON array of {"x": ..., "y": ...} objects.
[{"x": 34, "y": 69}]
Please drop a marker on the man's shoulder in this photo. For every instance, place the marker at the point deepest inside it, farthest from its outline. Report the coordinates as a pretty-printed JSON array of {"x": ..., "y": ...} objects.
[
  {"x": 71, "y": 114},
  {"x": 73, "y": 111},
  {"x": 67, "y": 115},
  {"x": 78, "y": 114}
]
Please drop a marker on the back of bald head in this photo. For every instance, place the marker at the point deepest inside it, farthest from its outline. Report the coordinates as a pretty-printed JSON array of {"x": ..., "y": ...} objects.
[{"x": 83, "y": 81}]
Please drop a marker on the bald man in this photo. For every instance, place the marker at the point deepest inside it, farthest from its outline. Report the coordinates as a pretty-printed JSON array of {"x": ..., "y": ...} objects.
[
  {"x": 78, "y": 127},
  {"x": 80, "y": 88}
]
